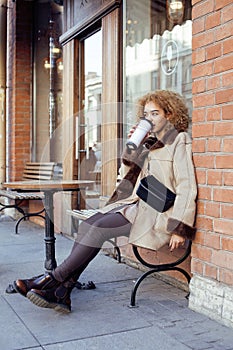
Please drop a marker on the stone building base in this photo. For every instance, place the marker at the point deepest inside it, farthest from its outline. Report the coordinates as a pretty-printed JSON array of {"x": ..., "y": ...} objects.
[{"x": 212, "y": 299}]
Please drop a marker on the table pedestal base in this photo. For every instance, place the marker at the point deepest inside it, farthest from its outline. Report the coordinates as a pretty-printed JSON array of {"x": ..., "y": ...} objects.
[{"x": 50, "y": 261}]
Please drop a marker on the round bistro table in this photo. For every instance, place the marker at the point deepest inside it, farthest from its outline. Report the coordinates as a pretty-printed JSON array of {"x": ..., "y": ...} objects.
[{"x": 48, "y": 188}]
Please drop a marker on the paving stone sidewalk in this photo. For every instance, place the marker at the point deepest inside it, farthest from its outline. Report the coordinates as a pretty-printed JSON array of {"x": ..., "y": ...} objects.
[{"x": 100, "y": 318}]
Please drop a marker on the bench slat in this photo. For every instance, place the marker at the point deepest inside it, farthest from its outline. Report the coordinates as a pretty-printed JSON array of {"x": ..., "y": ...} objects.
[
  {"x": 38, "y": 171},
  {"x": 37, "y": 177},
  {"x": 82, "y": 214},
  {"x": 16, "y": 195},
  {"x": 48, "y": 165}
]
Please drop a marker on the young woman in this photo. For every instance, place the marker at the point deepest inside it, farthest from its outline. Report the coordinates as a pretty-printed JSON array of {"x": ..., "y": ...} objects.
[{"x": 166, "y": 153}]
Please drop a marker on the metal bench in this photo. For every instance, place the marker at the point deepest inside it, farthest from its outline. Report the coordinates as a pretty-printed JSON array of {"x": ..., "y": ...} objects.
[
  {"x": 32, "y": 171},
  {"x": 153, "y": 268}
]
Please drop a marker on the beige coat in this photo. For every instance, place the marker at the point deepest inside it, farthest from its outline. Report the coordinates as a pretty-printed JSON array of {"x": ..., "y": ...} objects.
[{"x": 172, "y": 165}]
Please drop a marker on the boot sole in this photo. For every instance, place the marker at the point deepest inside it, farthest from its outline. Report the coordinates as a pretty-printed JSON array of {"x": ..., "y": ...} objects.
[{"x": 41, "y": 302}]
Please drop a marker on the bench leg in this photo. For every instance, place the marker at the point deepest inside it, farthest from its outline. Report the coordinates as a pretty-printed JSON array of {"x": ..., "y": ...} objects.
[
  {"x": 74, "y": 225},
  {"x": 135, "y": 288},
  {"x": 25, "y": 216},
  {"x": 147, "y": 273},
  {"x": 117, "y": 249},
  {"x": 16, "y": 206},
  {"x": 159, "y": 268}
]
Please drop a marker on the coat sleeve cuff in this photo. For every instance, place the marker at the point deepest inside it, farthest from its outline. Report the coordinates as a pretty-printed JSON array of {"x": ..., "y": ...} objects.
[
  {"x": 181, "y": 229},
  {"x": 131, "y": 157}
]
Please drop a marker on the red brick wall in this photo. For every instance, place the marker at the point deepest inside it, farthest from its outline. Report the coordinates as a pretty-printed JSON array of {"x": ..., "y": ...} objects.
[
  {"x": 19, "y": 87},
  {"x": 212, "y": 252}
]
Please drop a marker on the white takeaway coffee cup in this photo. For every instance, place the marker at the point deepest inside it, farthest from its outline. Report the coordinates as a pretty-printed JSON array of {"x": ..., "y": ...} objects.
[{"x": 140, "y": 132}]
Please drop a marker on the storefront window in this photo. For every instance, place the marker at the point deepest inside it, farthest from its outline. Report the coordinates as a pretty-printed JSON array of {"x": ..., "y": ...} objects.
[
  {"x": 47, "y": 81},
  {"x": 157, "y": 55}
]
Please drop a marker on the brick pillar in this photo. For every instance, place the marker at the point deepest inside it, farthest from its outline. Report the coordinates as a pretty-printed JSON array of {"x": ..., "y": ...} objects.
[
  {"x": 19, "y": 89},
  {"x": 212, "y": 252}
]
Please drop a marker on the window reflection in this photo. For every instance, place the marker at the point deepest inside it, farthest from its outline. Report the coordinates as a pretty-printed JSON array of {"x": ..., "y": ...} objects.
[
  {"x": 93, "y": 88},
  {"x": 47, "y": 81},
  {"x": 157, "y": 51},
  {"x": 92, "y": 107}
]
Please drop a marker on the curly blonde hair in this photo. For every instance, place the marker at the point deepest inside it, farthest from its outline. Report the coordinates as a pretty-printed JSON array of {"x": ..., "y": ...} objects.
[{"x": 172, "y": 103}]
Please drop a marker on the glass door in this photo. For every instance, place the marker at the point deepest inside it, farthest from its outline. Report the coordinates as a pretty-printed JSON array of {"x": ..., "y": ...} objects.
[{"x": 98, "y": 90}]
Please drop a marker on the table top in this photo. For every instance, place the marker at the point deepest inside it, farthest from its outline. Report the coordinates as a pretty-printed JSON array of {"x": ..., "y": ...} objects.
[{"x": 58, "y": 185}]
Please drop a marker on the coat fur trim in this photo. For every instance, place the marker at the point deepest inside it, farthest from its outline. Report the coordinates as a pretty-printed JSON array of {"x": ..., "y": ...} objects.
[
  {"x": 181, "y": 229},
  {"x": 134, "y": 160}
]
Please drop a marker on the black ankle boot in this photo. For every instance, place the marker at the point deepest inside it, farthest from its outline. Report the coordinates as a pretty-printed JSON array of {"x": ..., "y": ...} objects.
[
  {"x": 57, "y": 298},
  {"x": 39, "y": 282}
]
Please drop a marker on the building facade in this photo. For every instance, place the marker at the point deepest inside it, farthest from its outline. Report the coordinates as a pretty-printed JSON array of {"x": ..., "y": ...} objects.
[{"x": 110, "y": 53}]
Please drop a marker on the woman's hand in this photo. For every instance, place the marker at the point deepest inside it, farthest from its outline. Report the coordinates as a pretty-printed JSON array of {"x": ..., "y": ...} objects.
[
  {"x": 176, "y": 241},
  {"x": 131, "y": 131}
]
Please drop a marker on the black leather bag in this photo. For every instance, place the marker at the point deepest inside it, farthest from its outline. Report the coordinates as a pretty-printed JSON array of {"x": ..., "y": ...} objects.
[{"x": 155, "y": 194}]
